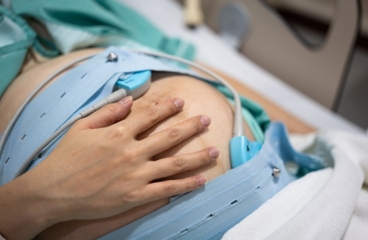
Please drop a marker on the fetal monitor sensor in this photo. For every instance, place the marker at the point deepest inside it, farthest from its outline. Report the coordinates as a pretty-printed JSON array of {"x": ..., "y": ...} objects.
[{"x": 135, "y": 84}]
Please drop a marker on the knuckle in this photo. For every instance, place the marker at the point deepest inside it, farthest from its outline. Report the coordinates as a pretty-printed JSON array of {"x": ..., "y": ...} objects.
[
  {"x": 152, "y": 115},
  {"x": 172, "y": 107},
  {"x": 132, "y": 197},
  {"x": 110, "y": 112},
  {"x": 117, "y": 132},
  {"x": 170, "y": 188},
  {"x": 109, "y": 108},
  {"x": 133, "y": 154},
  {"x": 190, "y": 185},
  {"x": 179, "y": 163},
  {"x": 175, "y": 136},
  {"x": 129, "y": 156},
  {"x": 205, "y": 157},
  {"x": 197, "y": 125}
]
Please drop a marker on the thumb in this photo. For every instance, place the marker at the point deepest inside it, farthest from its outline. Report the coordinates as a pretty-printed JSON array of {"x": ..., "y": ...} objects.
[{"x": 107, "y": 115}]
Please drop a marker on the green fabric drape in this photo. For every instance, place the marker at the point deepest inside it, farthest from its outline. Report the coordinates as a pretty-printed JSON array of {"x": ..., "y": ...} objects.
[{"x": 76, "y": 24}]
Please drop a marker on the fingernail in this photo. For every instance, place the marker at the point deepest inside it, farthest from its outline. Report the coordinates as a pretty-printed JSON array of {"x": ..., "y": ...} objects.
[
  {"x": 201, "y": 181},
  {"x": 206, "y": 120},
  {"x": 214, "y": 153},
  {"x": 126, "y": 100},
  {"x": 179, "y": 103}
]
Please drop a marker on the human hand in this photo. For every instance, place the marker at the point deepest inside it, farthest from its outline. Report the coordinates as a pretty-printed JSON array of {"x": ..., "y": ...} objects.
[{"x": 99, "y": 169}]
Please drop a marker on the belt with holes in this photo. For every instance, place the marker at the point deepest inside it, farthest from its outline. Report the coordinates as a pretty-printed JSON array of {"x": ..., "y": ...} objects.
[{"x": 209, "y": 212}]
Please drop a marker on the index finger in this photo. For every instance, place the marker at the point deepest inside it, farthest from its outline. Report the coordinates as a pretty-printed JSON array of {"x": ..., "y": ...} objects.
[
  {"x": 152, "y": 115},
  {"x": 107, "y": 115}
]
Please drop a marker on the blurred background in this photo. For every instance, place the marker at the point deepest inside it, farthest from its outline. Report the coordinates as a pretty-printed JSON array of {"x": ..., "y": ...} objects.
[
  {"x": 312, "y": 19},
  {"x": 319, "y": 47}
]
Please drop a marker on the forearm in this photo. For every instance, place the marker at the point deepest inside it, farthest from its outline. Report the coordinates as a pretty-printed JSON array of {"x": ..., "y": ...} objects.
[
  {"x": 23, "y": 215},
  {"x": 92, "y": 229}
]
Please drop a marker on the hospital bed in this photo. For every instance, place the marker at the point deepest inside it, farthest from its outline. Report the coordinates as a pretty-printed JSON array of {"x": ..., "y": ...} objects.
[
  {"x": 212, "y": 51},
  {"x": 327, "y": 204},
  {"x": 254, "y": 82}
]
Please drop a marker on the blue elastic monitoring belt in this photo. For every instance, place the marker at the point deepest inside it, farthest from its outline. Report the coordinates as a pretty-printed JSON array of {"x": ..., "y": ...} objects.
[
  {"x": 209, "y": 212},
  {"x": 202, "y": 214}
]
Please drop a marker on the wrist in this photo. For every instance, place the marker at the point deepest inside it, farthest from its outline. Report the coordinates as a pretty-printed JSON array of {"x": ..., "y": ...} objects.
[{"x": 23, "y": 216}]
